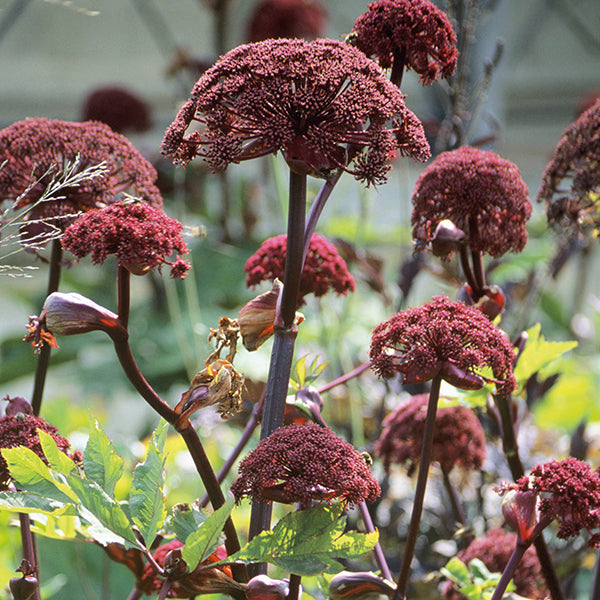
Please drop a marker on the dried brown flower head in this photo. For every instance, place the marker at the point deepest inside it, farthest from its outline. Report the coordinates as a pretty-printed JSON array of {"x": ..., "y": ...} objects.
[
  {"x": 302, "y": 463},
  {"x": 309, "y": 100},
  {"x": 480, "y": 193},
  {"x": 458, "y": 440}
]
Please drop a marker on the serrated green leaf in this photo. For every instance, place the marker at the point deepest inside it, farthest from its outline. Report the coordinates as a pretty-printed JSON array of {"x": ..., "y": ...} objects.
[
  {"x": 456, "y": 571},
  {"x": 55, "y": 527},
  {"x": 31, "y": 474},
  {"x": 479, "y": 571},
  {"x": 307, "y": 542},
  {"x": 26, "y": 502},
  {"x": 100, "y": 461},
  {"x": 146, "y": 499},
  {"x": 185, "y": 519},
  {"x": 57, "y": 459},
  {"x": 200, "y": 544}
]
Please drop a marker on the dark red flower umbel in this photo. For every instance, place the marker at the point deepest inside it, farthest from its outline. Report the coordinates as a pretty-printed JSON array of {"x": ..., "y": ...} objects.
[
  {"x": 287, "y": 19},
  {"x": 324, "y": 268},
  {"x": 458, "y": 440},
  {"x": 305, "y": 463},
  {"x": 443, "y": 337},
  {"x": 571, "y": 181},
  {"x": 140, "y": 236},
  {"x": 309, "y": 100},
  {"x": 32, "y": 147},
  {"x": 494, "y": 550},
  {"x": 480, "y": 193},
  {"x": 414, "y": 31},
  {"x": 21, "y": 429}
]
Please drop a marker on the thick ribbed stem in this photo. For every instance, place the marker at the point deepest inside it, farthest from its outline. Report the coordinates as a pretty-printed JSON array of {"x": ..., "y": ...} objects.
[
  {"x": 398, "y": 66},
  {"x": 509, "y": 570},
  {"x": 424, "y": 461}
]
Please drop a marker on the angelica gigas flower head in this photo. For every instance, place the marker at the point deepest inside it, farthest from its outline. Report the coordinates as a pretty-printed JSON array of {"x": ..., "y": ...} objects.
[
  {"x": 324, "y": 268},
  {"x": 494, "y": 551},
  {"x": 458, "y": 440},
  {"x": 571, "y": 181},
  {"x": 481, "y": 193},
  {"x": 443, "y": 338},
  {"x": 35, "y": 150},
  {"x": 302, "y": 463},
  {"x": 21, "y": 429},
  {"x": 140, "y": 236},
  {"x": 323, "y": 103},
  {"x": 287, "y": 19},
  {"x": 414, "y": 31}
]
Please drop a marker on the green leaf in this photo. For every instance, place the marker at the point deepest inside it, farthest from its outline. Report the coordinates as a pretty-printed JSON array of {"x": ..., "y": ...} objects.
[
  {"x": 100, "y": 461},
  {"x": 538, "y": 353},
  {"x": 200, "y": 544},
  {"x": 479, "y": 571},
  {"x": 185, "y": 519},
  {"x": 56, "y": 527},
  {"x": 307, "y": 542},
  {"x": 146, "y": 499},
  {"x": 456, "y": 571},
  {"x": 57, "y": 459},
  {"x": 25, "y": 502}
]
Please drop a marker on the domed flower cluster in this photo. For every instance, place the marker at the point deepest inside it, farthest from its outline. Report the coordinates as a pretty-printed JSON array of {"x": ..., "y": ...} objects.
[
  {"x": 311, "y": 100},
  {"x": 34, "y": 150},
  {"x": 458, "y": 440},
  {"x": 139, "y": 235},
  {"x": 480, "y": 193},
  {"x": 443, "y": 338},
  {"x": 413, "y": 31},
  {"x": 494, "y": 550},
  {"x": 571, "y": 181},
  {"x": 305, "y": 463},
  {"x": 324, "y": 268},
  {"x": 287, "y": 19}
]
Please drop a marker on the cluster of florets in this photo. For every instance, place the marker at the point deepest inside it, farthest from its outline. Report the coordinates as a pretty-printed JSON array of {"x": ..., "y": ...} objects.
[
  {"x": 19, "y": 427},
  {"x": 324, "y": 268},
  {"x": 480, "y": 193},
  {"x": 574, "y": 166},
  {"x": 415, "y": 32},
  {"x": 458, "y": 440},
  {"x": 119, "y": 108},
  {"x": 287, "y": 19},
  {"x": 35, "y": 150},
  {"x": 494, "y": 550},
  {"x": 569, "y": 492},
  {"x": 443, "y": 338},
  {"x": 139, "y": 235},
  {"x": 322, "y": 103},
  {"x": 305, "y": 463}
]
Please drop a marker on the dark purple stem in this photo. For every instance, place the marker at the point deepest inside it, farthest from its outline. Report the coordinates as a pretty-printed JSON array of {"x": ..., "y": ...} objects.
[
  {"x": 29, "y": 552},
  {"x": 478, "y": 268},
  {"x": 294, "y": 592},
  {"x": 123, "y": 295},
  {"x": 398, "y": 66},
  {"x": 377, "y": 550},
  {"x": 458, "y": 511},
  {"x": 350, "y": 375},
  {"x": 415, "y": 519},
  {"x": 135, "y": 594},
  {"x": 509, "y": 570},
  {"x": 466, "y": 267}
]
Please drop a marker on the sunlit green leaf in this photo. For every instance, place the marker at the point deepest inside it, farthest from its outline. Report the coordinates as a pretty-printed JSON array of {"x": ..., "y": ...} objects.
[
  {"x": 185, "y": 519},
  {"x": 57, "y": 459},
  {"x": 26, "y": 502},
  {"x": 100, "y": 461}
]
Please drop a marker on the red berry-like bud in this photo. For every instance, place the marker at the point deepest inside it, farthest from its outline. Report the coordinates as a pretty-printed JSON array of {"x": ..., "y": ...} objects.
[
  {"x": 22, "y": 588},
  {"x": 262, "y": 587}
]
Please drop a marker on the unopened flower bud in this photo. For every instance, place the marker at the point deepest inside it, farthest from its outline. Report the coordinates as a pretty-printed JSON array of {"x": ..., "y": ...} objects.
[
  {"x": 493, "y": 301},
  {"x": 17, "y": 405},
  {"x": 23, "y": 588},
  {"x": 521, "y": 513},
  {"x": 357, "y": 585},
  {"x": 174, "y": 564},
  {"x": 256, "y": 317},
  {"x": 262, "y": 587},
  {"x": 446, "y": 238}
]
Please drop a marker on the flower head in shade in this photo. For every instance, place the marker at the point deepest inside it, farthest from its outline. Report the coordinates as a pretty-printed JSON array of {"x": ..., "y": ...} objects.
[
  {"x": 35, "y": 150},
  {"x": 480, "y": 193},
  {"x": 415, "y": 31},
  {"x": 458, "y": 440},
  {"x": 302, "y": 463},
  {"x": 571, "y": 181},
  {"x": 494, "y": 550},
  {"x": 324, "y": 268},
  {"x": 311, "y": 100},
  {"x": 287, "y": 19},
  {"x": 569, "y": 491},
  {"x": 140, "y": 236},
  {"x": 21, "y": 429},
  {"x": 443, "y": 337},
  {"x": 119, "y": 108}
]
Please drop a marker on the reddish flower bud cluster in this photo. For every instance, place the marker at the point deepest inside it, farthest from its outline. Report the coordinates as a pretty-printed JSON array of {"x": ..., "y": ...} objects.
[
  {"x": 575, "y": 159},
  {"x": 33, "y": 146},
  {"x": 458, "y": 439},
  {"x": 302, "y": 463},
  {"x": 569, "y": 492},
  {"x": 21, "y": 429},
  {"x": 494, "y": 550},
  {"x": 287, "y": 19},
  {"x": 480, "y": 193},
  {"x": 415, "y": 31},
  {"x": 324, "y": 268},
  {"x": 139, "y": 235},
  {"x": 309, "y": 100},
  {"x": 443, "y": 337}
]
